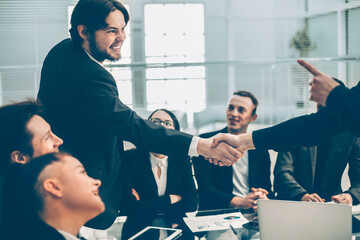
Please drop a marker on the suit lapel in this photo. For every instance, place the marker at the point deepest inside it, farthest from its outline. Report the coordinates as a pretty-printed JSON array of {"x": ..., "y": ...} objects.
[
  {"x": 333, "y": 147},
  {"x": 171, "y": 173},
  {"x": 312, "y": 155},
  {"x": 251, "y": 155},
  {"x": 148, "y": 173}
]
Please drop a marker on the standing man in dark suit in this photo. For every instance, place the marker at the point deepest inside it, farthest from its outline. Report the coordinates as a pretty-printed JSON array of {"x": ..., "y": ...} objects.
[
  {"x": 82, "y": 104},
  {"x": 314, "y": 173},
  {"x": 249, "y": 178}
]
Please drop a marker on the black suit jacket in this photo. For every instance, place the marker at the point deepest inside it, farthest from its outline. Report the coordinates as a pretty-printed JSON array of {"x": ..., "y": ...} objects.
[
  {"x": 340, "y": 114},
  {"x": 140, "y": 177},
  {"x": 216, "y": 183},
  {"x": 82, "y": 105},
  {"x": 37, "y": 230},
  {"x": 295, "y": 170}
]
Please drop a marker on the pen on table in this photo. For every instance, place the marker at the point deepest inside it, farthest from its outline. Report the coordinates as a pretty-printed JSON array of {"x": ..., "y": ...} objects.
[{"x": 233, "y": 229}]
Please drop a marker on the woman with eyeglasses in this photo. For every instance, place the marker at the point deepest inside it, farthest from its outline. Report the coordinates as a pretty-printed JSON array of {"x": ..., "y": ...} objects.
[{"x": 160, "y": 189}]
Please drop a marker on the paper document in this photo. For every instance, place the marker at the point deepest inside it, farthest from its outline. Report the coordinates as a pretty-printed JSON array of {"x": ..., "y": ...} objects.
[
  {"x": 215, "y": 222},
  {"x": 356, "y": 209}
]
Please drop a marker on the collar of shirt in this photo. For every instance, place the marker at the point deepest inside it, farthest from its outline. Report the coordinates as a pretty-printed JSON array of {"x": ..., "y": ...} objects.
[
  {"x": 67, "y": 236},
  {"x": 154, "y": 161},
  {"x": 91, "y": 57}
]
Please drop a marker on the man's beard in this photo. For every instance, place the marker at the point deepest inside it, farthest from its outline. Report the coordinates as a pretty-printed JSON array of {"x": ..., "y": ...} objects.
[{"x": 98, "y": 55}]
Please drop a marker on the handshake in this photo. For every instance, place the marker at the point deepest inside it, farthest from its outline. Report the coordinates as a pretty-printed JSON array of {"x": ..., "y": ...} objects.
[{"x": 225, "y": 149}]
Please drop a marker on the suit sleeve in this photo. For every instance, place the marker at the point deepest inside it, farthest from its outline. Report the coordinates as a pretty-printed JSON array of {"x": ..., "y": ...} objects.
[
  {"x": 188, "y": 193},
  {"x": 285, "y": 185},
  {"x": 344, "y": 103},
  {"x": 99, "y": 103},
  {"x": 206, "y": 181},
  {"x": 342, "y": 113},
  {"x": 354, "y": 171},
  {"x": 263, "y": 177}
]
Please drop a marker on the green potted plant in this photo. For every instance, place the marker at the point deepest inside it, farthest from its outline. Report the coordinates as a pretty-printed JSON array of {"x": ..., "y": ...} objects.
[{"x": 301, "y": 43}]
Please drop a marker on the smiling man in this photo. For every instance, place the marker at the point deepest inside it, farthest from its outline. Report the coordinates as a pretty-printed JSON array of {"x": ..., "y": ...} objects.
[
  {"x": 82, "y": 104},
  {"x": 24, "y": 134},
  {"x": 249, "y": 178}
]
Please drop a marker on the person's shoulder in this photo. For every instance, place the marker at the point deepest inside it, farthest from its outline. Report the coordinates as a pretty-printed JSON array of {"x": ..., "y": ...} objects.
[
  {"x": 213, "y": 133},
  {"x": 258, "y": 152},
  {"x": 135, "y": 153},
  {"x": 62, "y": 45}
]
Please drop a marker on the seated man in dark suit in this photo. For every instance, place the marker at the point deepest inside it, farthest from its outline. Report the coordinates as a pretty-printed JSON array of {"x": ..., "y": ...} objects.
[
  {"x": 24, "y": 135},
  {"x": 160, "y": 189},
  {"x": 314, "y": 173},
  {"x": 249, "y": 178},
  {"x": 52, "y": 196}
]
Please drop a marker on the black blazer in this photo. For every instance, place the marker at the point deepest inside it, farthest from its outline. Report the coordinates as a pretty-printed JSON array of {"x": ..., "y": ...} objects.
[
  {"x": 340, "y": 114},
  {"x": 216, "y": 184},
  {"x": 82, "y": 105},
  {"x": 140, "y": 177},
  {"x": 38, "y": 230},
  {"x": 294, "y": 170}
]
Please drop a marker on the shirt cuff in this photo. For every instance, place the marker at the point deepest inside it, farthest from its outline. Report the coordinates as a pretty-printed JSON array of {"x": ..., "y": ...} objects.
[{"x": 193, "y": 147}]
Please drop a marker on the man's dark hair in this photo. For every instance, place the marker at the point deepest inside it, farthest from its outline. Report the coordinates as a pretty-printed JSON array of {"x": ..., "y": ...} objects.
[
  {"x": 173, "y": 117},
  {"x": 92, "y": 14},
  {"x": 249, "y": 95},
  {"x": 14, "y": 135}
]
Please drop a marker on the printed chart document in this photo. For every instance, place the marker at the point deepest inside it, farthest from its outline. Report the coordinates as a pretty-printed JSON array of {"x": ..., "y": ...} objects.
[{"x": 215, "y": 222}]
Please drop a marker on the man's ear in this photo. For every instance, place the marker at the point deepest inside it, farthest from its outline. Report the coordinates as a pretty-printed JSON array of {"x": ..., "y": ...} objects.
[
  {"x": 253, "y": 117},
  {"x": 19, "y": 157},
  {"x": 53, "y": 187},
  {"x": 82, "y": 32}
]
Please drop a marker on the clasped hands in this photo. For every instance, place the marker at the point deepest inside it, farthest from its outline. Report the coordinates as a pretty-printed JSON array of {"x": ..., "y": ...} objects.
[
  {"x": 225, "y": 149},
  {"x": 250, "y": 201}
]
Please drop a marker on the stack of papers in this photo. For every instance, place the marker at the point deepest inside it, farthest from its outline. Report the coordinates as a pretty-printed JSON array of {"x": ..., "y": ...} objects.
[{"x": 215, "y": 222}]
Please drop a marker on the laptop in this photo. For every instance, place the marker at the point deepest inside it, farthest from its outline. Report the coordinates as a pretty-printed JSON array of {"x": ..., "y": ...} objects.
[{"x": 297, "y": 220}]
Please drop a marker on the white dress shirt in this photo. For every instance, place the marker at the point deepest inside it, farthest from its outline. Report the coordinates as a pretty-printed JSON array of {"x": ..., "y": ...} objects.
[
  {"x": 163, "y": 164},
  {"x": 241, "y": 176},
  {"x": 67, "y": 236}
]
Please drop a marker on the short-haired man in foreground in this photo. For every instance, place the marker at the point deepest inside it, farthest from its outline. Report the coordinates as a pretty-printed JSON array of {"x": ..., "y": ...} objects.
[
  {"x": 249, "y": 178},
  {"x": 24, "y": 135},
  {"x": 53, "y": 197}
]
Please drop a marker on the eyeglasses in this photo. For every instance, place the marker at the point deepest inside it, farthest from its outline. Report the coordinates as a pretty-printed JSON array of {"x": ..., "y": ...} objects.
[{"x": 159, "y": 122}]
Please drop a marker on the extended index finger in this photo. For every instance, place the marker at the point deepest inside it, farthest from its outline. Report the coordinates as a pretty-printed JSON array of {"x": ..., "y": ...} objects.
[{"x": 313, "y": 70}]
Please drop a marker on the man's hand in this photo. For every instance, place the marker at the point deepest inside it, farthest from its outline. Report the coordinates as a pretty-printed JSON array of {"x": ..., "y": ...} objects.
[
  {"x": 250, "y": 201},
  {"x": 175, "y": 198},
  {"x": 321, "y": 85},
  {"x": 312, "y": 198},
  {"x": 241, "y": 142},
  {"x": 222, "y": 154},
  {"x": 344, "y": 198}
]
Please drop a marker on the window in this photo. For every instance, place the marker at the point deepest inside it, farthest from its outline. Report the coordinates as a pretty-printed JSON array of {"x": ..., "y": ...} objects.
[{"x": 174, "y": 33}]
